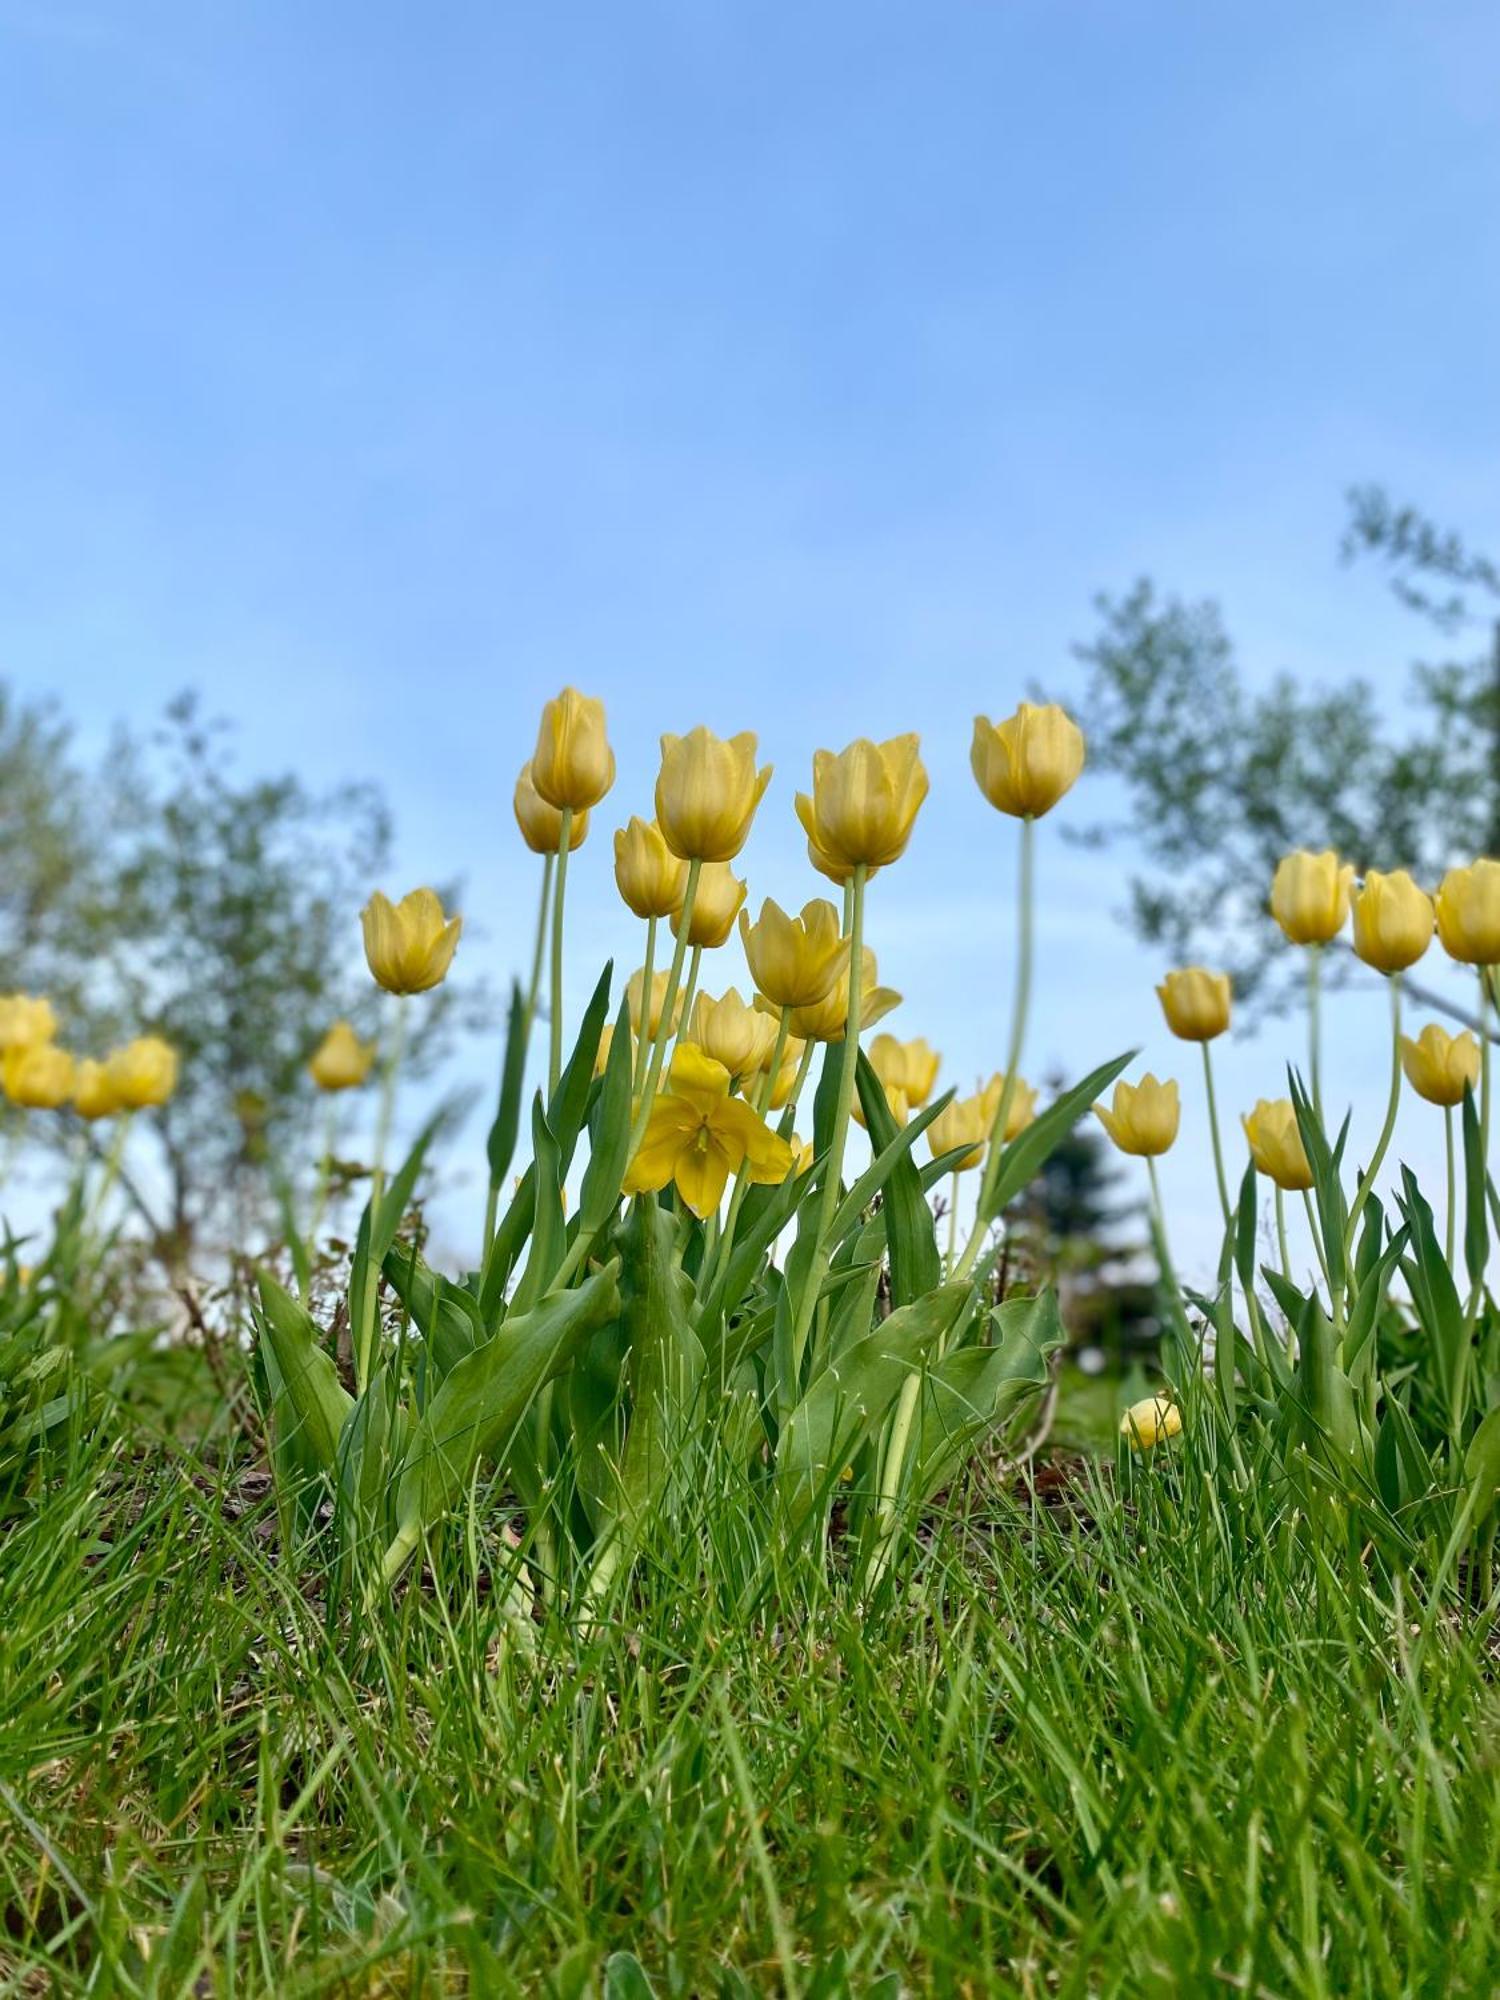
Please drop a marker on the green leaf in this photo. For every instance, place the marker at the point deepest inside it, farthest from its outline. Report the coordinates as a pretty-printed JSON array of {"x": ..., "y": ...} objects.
[
  {"x": 1026, "y": 1155},
  {"x": 446, "y": 1315},
  {"x": 609, "y": 1132},
  {"x": 911, "y": 1240},
  {"x": 500, "y": 1147},
  {"x": 310, "y": 1403},
  {"x": 1476, "y": 1221},
  {"x": 1435, "y": 1298},
  {"x": 548, "y": 1228},
  {"x": 664, "y": 1361},
  {"x": 972, "y": 1391},
  {"x": 380, "y": 1221},
  {"x": 1482, "y": 1465}
]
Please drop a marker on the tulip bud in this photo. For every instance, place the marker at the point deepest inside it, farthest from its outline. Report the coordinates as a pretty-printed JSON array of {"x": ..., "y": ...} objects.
[
  {"x": 409, "y": 945},
  {"x": 864, "y": 801},
  {"x": 143, "y": 1074},
  {"x": 37, "y": 1075},
  {"x": 716, "y": 903},
  {"x": 658, "y": 1001},
  {"x": 1144, "y": 1119},
  {"x": 341, "y": 1060},
  {"x": 1196, "y": 1003},
  {"x": 896, "y": 1104},
  {"x": 1310, "y": 895},
  {"x": 573, "y": 764},
  {"x": 1468, "y": 913},
  {"x": 785, "y": 1081},
  {"x": 1393, "y": 921},
  {"x": 965, "y": 1122},
  {"x": 1440, "y": 1066},
  {"x": 540, "y": 823},
  {"x": 94, "y": 1095},
  {"x": 910, "y": 1067},
  {"x": 1146, "y": 1423},
  {"x": 1026, "y": 764},
  {"x": 826, "y": 1019},
  {"x": 1276, "y": 1144},
  {"x": 24, "y": 1022},
  {"x": 648, "y": 874},
  {"x": 707, "y": 793},
  {"x": 794, "y": 961},
  {"x": 732, "y": 1033},
  {"x": 1019, "y": 1113}
]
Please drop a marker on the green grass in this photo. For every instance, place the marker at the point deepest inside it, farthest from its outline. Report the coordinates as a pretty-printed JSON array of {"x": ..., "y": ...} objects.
[{"x": 1175, "y": 1745}]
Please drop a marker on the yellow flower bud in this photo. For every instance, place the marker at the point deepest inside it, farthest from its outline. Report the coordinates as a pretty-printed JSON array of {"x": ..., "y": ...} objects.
[
  {"x": 707, "y": 793},
  {"x": 37, "y": 1075},
  {"x": 1276, "y": 1144},
  {"x": 1468, "y": 913},
  {"x": 910, "y": 1067},
  {"x": 716, "y": 903},
  {"x": 1392, "y": 921},
  {"x": 1019, "y": 1113},
  {"x": 735, "y": 1035},
  {"x": 1147, "y": 1422},
  {"x": 1145, "y": 1117},
  {"x": 964, "y": 1122},
  {"x": 826, "y": 1019},
  {"x": 648, "y": 874},
  {"x": 1310, "y": 895},
  {"x": 144, "y": 1072},
  {"x": 1196, "y": 1003},
  {"x": 94, "y": 1095},
  {"x": 409, "y": 945},
  {"x": 24, "y": 1022},
  {"x": 1025, "y": 765},
  {"x": 794, "y": 961},
  {"x": 540, "y": 823},
  {"x": 786, "y": 1077},
  {"x": 864, "y": 801},
  {"x": 341, "y": 1060},
  {"x": 573, "y": 764},
  {"x": 1440, "y": 1066},
  {"x": 896, "y": 1103},
  {"x": 658, "y": 1001}
]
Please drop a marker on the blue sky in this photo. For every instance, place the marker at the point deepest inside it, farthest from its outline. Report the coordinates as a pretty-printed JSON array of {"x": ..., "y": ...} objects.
[{"x": 807, "y": 369}]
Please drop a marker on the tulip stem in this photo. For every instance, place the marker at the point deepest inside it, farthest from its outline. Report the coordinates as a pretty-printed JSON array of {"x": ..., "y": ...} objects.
[
  {"x": 1317, "y": 1239},
  {"x": 1382, "y": 1146},
  {"x": 952, "y": 1223},
  {"x": 1281, "y": 1244},
  {"x": 737, "y": 1194},
  {"x": 668, "y": 1006},
  {"x": 554, "y": 1059},
  {"x": 1471, "y": 1311},
  {"x": 643, "y": 1039},
  {"x": 804, "y": 1064},
  {"x": 690, "y": 984},
  {"x": 1450, "y": 1230},
  {"x": 364, "y": 1346},
  {"x": 1314, "y": 1029},
  {"x": 1213, "y": 1126},
  {"x": 528, "y": 1020}
]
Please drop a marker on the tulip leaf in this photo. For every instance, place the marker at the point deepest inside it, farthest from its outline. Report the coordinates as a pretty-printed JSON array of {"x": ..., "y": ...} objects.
[
  {"x": 501, "y": 1144},
  {"x": 1244, "y": 1230},
  {"x": 382, "y": 1218},
  {"x": 664, "y": 1358},
  {"x": 1328, "y": 1187},
  {"x": 1325, "y": 1398},
  {"x": 765, "y": 1214},
  {"x": 1023, "y": 1159},
  {"x": 548, "y": 1229},
  {"x": 911, "y": 1240},
  {"x": 609, "y": 1132},
  {"x": 972, "y": 1391},
  {"x": 569, "y": 1104},
  {"x": 366, "y": 1459},
  {"x": 446, "y": 1315},
  {"x": 310, "y": 1403},
  {"x": 1476, "y": 1221},
  {"x": 1482, "y": 1465},
  {"x": 1434, "y": 1297}
]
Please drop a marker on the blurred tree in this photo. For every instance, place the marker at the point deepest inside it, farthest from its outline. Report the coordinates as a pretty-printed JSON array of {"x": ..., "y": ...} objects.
[
  {"x": 164, "y": 894},
  {"x": 1220, "y": 779}
]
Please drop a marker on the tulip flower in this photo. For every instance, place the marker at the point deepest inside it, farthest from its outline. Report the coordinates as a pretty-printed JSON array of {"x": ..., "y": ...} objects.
[
  {"x": 409, "y": 945},
  {"x": 1310, "y": 895},
  {"x": 910, "y": 1067},
  {"x": 802, "y": 1154},
  {"x": 634, "y": 989},
  {"x": 94, "y": 1094},
  {"x": 572, "y": 766},
  {"x": 731, "y": 1033},
  {"x": 25, "y": 1022},
  {"x": 826, "y": 1020},
  {"x": 1440, "y": 1066},
  {"x": 1026, "y": 764},
  {"x": 1196, "y": 1003},
  {"x": 144, "y": 1073},
  {"x": 1019, "y": 1103},
  {"x": 784, "y": 1079},
  {"x": 1151, "y": 1420},
  {"x": 606, "y": 1043},
  {"x": 698, "y": 1135},
  {"x": 718, "y": 901},
  {"x": 1144, "y": 1119},
  {"x": 864, "y": 801},
  {"x": 794, "y": 961},
  {"x": 649, "y": 876},
  {"x": 341, "y": 1060},
  {"x": 1468, "y": 913},
  {"x": 1393, "y": 921},
  {"x": 37, "y": 1075},
  {"x": 965, "y": 1122},
  {"x": 541, "y": 823},
  {"x": 707, "y": 793},
  {"x": 1276, "y": 1144},
  {"x": 896, "y": 1103}
]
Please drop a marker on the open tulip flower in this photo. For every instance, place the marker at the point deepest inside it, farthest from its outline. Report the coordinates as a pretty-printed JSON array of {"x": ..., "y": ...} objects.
[
  {"x": 541, "y": 824},
  {"x": 910, "y": 1067},
  {"x": 94, "y": 1095},
  {"x": 341, "y": 1060},
  {"x": 719, "y": 900},
  {"x": 826, "y": 1020},
  {"x": 698, "y": 1135},
  {"x": 649, "y": 876},
  {"x": 1468, "y": 913},
  {"x": 1196, "y": 1003},
  {"x": 572, "y": 766},
  {"x": 1393, "y": 921},
  {"x": 409, "y": 945},
  {"x": 1144, "y": 1117},
  {"x": 1440, "y": 1066},
  {"x": 965, "y": 1122},
  {"x": 1310, "y": 896},
  {"x": 1276, "y": 1147},
  {"x": 24, "y": 1021},
  {"x": 864, "y": 801},
  {"x": 1027, "y": 763},
  {"x": 37, "y": 1075},
  {"x": 741, "y": 1038},
  {"x": 794, "y": 961},
  {"x": 633, "y": 996},
  {"x": 896, "y": 1104},
  {"x": 1150, "y": 1421},
  {"x": 707, "y": 793}
]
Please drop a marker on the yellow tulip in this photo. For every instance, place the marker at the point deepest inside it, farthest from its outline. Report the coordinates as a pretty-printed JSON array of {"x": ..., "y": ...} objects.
[
  {"x": 573, "y": 764},
  {"x": 1440, "y": 1066},
  {"x": 409, "y": 945},
  {"x": 802, "y": 1154},
  {"x": 910, "y": 1067},
  {"x": 698, "y": 1135},
  {"x": 1196, "y": 1003},
  {"x": 1468, "y": 913},
  {"x": 606, "y": 1042},
  {"x": 826, "y": 1019},
  {"x": 648, "y": 874},
  {"x": 864, "y": 801},
  {"x": 94, "y": 1095},
  {"x": 1146, "y": 1423},
  {"x": 964, "y": 1122},
  {"x": 719, "y": 897},
  {"x": 896, "y": 1102},
  {"x": 540, "y": 823},
  {"x": 658, "y": 1001},
  {"x": 24, "y": 1021},
  {"x": 144, "y": 1073},
  {"x": 37, "y": 1075},
  {"x": 737, "y": 1036},
  {"x": 1020, "y": 1111},
  {"x": 785, "y": 1080},
  {"x": 341, "y": 1060},
  {"x": 794, "y": 961},
  {"x": 1026, "y": 764},
  {"x": 1144, "y": 1119},
  {"x": 838, "y": 871},
  {"x": 1310, "y": 895},
  {"x": 1393, "y": 921},
  {"x": 1276, "y": 1144},
  {"x": 707, "y": 793}
]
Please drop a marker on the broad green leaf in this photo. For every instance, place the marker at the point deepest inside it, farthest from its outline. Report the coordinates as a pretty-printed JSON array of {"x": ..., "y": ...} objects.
[
  {"x": 609, "y": 1132},
  {"x": 664, "y": 1357},
  {"x": 313, "y": 1403},
  {"x": 1476, "y": 1220},
  {"x": 446, "y": 1315},
  {"x": 380, "y": 1221},
  {"x": 1482, "y": 1466},
  {"x": 972, "y": 1391},
  {"x": 548, "y": 1228},
  {"x": 1435, "y": 1297},
  {"x": 916, "y": 1266},
  {"x": 1026, "y": 1155},
  {"x": 500, "y": 1147}
]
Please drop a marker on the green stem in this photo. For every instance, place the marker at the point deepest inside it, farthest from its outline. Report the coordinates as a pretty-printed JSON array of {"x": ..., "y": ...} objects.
[
  {"x": 1450, "y": 1228},
  {"x": 1314, "y": 1028},
  {"x": 1286, "y": 1261},
  {"x": 554, "y": 1059},
  {"x": 1013, "y": 1059},
  {"x": 1213, "y": 1126},
  {"x": 528, "y": 1019},
  {"x": 690, "y": 985},
  {"x": 804, "y": 1064},
  {"x": 741, "y": 1179},
  {"x": 664, "y": 1026},
  {"x": 952, "y": 1225},
  {"x": 1367, "y": 1180},
  {"x": 1317, "y": 1238},
  {"x": 364, "y": 1345},
  {"x": 643, "y": 1039},
  {"x": 1476, "y": 1292}
]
